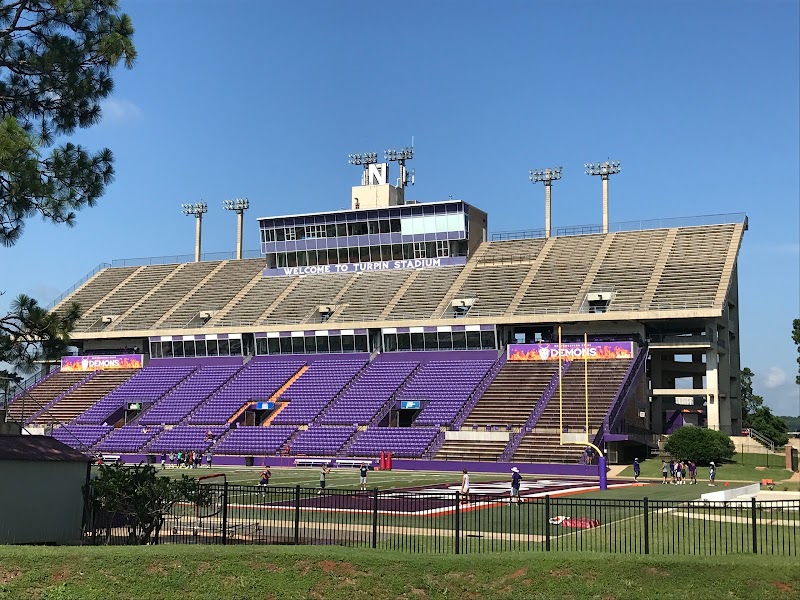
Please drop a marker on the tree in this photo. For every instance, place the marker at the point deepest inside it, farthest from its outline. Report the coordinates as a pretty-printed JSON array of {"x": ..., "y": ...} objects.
[
  {"x": 750, "y": 401},
  {"x": 700, "y": 445},
  {"x": 796, "y": 338},
  {"x": 763, "y": 421},
  {"x": 140, "y": 498},
  {"x": 56, "y": 58},
  {"x": 29, "y": 333}
]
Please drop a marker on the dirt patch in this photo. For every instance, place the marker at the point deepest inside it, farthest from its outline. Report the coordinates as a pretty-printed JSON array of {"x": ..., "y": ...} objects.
[
  {"x": 203, "y": 567},
  {"x": 518, "y": 573},
  {"x": 657, "y": 571},
  {"x": 337, "y": 568},
  {"x": 418, "y": 593},
  {"x": 272, "y": 567},
  {"x": 782, "y": 586},
  {"x": 7, "y": 575},
  {"x": 590, "y": 575},
  {"x": 155, "y": 568},
  {"x": 303, "y": 567},
  {"x": 61, "y": 574},
  {"x": 561, "y": 572}
]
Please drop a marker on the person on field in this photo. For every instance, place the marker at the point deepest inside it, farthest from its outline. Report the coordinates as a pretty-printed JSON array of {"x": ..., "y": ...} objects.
[
  {"x": 679, "y": 473},
  {"x": 712, "y": 474},
  {"x": 465, "y": 486},
  {"x": 664, "y": 471},
  {"x": 163, "y": 460},
  {"x": 323, "y": 473},
  {"x": 672, "y": 471},
  {"x": 265, "y": 475},
  {"x": 692, "y": 473},
  {"x": 362, "y": 471},
  {"x": 637, "y": 469},
  {"x": 516, "y": 481}
]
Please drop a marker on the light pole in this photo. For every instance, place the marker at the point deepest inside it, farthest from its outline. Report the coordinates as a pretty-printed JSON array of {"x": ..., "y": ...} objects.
[
  {"x": 239, "y": 205},
  {"x": 400, "y": 157},
  {"x": 546, "y": 176},
  {"x": 604, "y": 170},
  {"x": 197, "y": 210}
]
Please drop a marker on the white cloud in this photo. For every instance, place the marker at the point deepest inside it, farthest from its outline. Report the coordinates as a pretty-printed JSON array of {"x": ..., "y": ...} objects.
[
  {"x": 118, "y": 110},
  {"x": 774, "y": 378}
]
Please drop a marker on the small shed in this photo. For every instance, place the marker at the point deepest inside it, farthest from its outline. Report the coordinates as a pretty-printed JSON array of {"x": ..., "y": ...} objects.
[{"x": 41, "y": 495}]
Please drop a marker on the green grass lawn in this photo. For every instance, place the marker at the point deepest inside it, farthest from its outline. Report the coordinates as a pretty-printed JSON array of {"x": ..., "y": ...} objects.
[
  {"x": 733, "y": 471},
  {"x": 267, "y": 573}
]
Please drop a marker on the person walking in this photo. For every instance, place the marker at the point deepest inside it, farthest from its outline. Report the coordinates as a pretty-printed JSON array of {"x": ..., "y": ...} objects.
[
  {"x": 637, "y": 469},
  {"x": 516, "y": 480},
  {"x": 464, "y": 486},
  {"x": 692, "y": 473},
  {"x": 362, "y": 471},
  {"x": 265, "y": 475},
  {"x": 664, "y": 471},
  {"x": 679, "y": 473},
  {"x": 712, "y": 474}
]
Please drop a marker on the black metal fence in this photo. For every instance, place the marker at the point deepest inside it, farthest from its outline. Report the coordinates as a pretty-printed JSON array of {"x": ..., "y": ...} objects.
[{"x": 432, "y": 521}]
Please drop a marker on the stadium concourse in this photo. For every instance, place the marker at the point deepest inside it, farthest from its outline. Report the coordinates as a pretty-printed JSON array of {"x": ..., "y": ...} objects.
[{"x": 398, "y": 326}]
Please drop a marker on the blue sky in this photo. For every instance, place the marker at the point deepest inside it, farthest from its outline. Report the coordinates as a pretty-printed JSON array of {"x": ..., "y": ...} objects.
[{"x": 699, "y": 101}]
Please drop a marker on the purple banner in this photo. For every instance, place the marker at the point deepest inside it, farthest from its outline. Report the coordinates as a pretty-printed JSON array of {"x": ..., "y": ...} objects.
[
  {"x": 383, "y": 265},
  {"x": 102, "y": 363},
  {"x": 577, "y": 351}
]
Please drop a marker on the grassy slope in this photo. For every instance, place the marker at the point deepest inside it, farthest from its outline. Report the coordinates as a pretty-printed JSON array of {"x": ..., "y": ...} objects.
[{"x": 192, "y": 572}]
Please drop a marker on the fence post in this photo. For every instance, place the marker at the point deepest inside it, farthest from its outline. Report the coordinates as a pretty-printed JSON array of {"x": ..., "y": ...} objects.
[
  {"x": 646, "y": 526},
  {"x": 225, "y": 512},
  {"x": 375, "y": 518},
  {"x": 547, "y": 522},
  {"x": 755, "y": 521},
  {"x": 297, "y": 515},
  {"x": 458, "y": 522}
]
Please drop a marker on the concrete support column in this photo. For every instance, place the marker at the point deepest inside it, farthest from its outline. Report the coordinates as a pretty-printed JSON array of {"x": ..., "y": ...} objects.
[
  {"x": 239, "y": 236},
  {"x": 605, "y": 204},
  {"x": 712, "y": 385},
  {"x": 198, "y": 237},
  {"x": 547, "y": 189}
]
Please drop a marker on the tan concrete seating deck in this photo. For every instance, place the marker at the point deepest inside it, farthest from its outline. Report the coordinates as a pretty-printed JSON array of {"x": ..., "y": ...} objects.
[
  {"x": 42, "y": 393},
  {"x": 174, "y": 290},
  {"x": 121, "y": 300},
  {"x": 513, "y": 250},
  {"x": 370, "y": 294},
  {"x": 89, "y": 295},
  {"x": 252, "y": 305},
  {"x": 561, "y": 275},
  {"x": 424, "y": 294},
  {"x": 467, "y": 450},
  {"x": 494, "y": 287},
  {"x": 85, "y": 395},
  {"x": 512, "y": 396},
  {"x": 311, "y": 292},
  {"x": 218, "y": 291}
]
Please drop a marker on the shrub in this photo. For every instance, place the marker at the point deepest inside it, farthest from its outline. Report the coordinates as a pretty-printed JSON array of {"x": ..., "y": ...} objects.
[{"x": 700, "y": 445}]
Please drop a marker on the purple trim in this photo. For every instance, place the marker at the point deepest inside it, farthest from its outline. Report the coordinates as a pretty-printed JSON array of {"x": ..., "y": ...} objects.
[
  {"x": 260, "y": 336},
  {"x": 487, "y": 327},
  {"x": 427, "y": 356},
  {"x": 384, "y": 265}
]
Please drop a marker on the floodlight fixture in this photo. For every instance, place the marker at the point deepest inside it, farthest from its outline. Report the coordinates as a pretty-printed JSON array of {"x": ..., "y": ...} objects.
[
  {"x": 365, "y": 159},
  {"x": 604, "y": 170},
  {"x": 400, "y": 155},
  {"x": 546, "y": 176},
  {"x": 239, "y": 204}
]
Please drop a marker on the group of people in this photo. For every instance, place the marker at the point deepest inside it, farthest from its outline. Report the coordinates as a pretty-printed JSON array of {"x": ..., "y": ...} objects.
[
  {"x": 185, "y": 459},
  {"x": 678, "y": 471},
  {"x": 516, "y": 483},
  {"x": 323, "y": 475}
]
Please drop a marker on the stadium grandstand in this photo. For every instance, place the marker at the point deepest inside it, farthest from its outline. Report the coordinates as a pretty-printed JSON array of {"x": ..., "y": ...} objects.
[{"x": 404, "y": 326}]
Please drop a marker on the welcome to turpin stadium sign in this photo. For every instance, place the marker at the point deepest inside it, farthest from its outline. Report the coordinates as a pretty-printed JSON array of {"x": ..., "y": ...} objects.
[{"x": 383, "y": 265}]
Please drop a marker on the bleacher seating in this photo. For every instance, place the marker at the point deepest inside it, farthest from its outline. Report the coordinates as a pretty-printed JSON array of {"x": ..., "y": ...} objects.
[
  {"x": 32, "y": 400},
  {"x": 368, "y": 393},
  {"x": 369, "y": 294},
  {"x": 247, "y": 309},
  {"x": 130, "y": 438},
  {"x": 321, "y": 441},
  {"x": 445, "y": 386},
  {"x": 146, "y": 387},
  {"x": 186, "y": 438},
  {"x": 254, "y": 440},
  {"x": 493, "y": 287},
  {"x": 85, "y": 395},
  {"x": 543, "y": 443},
  {"x": 306, "y": 297},
  {"x": 403, "y": 442},
  {"x": 81, "y": 437},
  {"x": 176, "y": 405},
  {"x": 314, "y": 389},
  {"x": 102, "y": 283},
  {"x": 258, "y": 381},
  {"x": 424, "y": 294}
]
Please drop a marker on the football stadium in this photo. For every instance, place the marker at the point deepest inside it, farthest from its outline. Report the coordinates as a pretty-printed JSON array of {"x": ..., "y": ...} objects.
[{"x": 406, "y": 329}]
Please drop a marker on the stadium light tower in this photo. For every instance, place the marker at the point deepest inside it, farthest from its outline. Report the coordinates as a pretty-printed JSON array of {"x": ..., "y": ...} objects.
[
  {"x": 196, "y": 210},
  {"x": 604, "y": 170},
  {"x": 365, "y": 160},
  {"x": 239, "y": 205},
  {"x": 546, "y": 176},
  {"x": 400, "y": 157}
]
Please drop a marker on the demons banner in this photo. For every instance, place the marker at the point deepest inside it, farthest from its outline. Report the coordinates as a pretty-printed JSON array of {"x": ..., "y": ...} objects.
[
  {"x": 577, "y": 351},
  {"x": 100, "y": 363}
]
